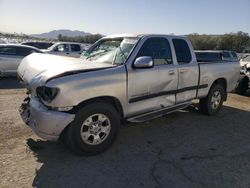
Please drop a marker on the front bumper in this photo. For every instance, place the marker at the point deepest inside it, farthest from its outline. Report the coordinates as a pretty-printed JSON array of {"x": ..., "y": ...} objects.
[{"x": 47, "y": 124}]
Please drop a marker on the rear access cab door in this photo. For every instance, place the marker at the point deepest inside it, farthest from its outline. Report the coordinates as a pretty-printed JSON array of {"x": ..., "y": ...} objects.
[{"x": 188, "y": 70}]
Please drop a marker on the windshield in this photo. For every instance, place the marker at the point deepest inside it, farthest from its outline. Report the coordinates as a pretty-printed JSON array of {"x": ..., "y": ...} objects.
[{"x": 112, "y": 51}]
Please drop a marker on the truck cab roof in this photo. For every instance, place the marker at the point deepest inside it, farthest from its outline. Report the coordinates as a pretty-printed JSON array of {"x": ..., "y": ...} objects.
[{"x": 140, "y": 35}]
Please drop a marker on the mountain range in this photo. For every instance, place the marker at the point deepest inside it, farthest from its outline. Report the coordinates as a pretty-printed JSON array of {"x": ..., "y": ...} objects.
[{"x": 65, "y": 32}]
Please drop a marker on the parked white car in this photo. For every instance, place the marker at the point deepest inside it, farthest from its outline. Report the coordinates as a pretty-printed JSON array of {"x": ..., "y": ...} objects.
[
  {"x": 11, "y": 56},
  {"x": 71, "y": 49}
]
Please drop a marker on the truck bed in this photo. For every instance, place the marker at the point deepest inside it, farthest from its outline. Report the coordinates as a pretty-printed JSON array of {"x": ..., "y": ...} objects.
[{"x": 227, "y": 70}]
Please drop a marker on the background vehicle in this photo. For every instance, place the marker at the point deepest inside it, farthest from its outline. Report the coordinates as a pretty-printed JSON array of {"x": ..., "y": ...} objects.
[
  {"x": 244, "y": 81},
  {"x": 216, "y": 55},
  {"x": 208, "y": 56},
  {"x": 132, "y": 77},
  {"x": 11, "y": 56},
  {"x": 66, "y": 49},
  {"x": 229, "y": 56},
  {"x": 245, "y": 60},
  {"x": 39, "y": 45}
]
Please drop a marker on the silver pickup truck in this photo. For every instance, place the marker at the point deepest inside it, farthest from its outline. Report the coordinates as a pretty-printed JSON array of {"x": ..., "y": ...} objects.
[{"x": 131, "y": 77}]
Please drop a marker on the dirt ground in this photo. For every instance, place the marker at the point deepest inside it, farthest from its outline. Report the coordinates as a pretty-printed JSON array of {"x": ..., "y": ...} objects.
[{"x": 183, "y": 149}]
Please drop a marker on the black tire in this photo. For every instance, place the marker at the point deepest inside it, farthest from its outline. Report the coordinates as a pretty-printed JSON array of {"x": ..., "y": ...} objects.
[
  {"x": 74, "y": 139},
  {"x": 206, "y": 104},
  {"x": 242, "y": 86}
]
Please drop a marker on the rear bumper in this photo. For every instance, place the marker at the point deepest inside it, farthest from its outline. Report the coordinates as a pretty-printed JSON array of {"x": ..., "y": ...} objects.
[{"x": 45, "y": 123}]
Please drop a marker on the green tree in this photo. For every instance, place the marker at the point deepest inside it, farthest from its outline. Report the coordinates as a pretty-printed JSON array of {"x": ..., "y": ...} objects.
[{"x": 239, "y": 42}]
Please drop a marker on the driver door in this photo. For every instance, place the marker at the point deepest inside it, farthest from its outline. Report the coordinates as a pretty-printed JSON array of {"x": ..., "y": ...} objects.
[{"x": 153, "y": 88}]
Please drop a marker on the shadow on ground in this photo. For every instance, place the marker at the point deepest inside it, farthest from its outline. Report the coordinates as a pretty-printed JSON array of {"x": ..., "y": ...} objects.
[
  {"x": 183, "y": 149},
  {"x": 10, "y": 83}
]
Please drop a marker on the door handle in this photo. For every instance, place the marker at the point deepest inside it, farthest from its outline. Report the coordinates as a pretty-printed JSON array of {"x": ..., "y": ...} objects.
[
  {"x": 171, "y": 72},
  {"x": 183, "y": 70}
]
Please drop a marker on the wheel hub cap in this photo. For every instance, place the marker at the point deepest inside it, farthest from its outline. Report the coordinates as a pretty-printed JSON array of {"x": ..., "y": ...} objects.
[
  {"x": 215, "y": 100},
  {"x": 95, "y": 129}
]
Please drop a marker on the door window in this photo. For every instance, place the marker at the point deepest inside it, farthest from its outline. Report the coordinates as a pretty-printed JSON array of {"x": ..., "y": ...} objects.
[
  {"x": 21, "y": 51},
  {"x": 159, "y": 49},
  {"x": 62, "y": 48},
  {"x": 7, "y": 51},
  {"x": 234, "y": 54},
  {"x": 226, "y": 55},
  {"x": 75, "y": 47},
  {"x": 182, "y": 51}
]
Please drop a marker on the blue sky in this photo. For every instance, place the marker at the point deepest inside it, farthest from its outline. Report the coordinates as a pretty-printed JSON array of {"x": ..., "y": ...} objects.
[{"x": 127, "y": 16}]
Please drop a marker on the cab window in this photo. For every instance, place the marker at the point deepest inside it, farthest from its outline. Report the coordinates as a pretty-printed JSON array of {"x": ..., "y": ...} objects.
[
  {"x": 159, "y": 49},
  {"x": 226, "y": 55},
  {"x": 75, "y": 47},
  {"x": 182, "y": 51}
]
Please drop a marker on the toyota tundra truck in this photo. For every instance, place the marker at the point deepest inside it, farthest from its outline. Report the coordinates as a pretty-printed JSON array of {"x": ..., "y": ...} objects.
[{"x": 121, "y": 77}]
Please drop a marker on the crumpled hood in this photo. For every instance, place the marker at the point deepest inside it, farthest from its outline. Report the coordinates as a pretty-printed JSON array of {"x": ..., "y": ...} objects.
[{"x": 41, "y": 67}]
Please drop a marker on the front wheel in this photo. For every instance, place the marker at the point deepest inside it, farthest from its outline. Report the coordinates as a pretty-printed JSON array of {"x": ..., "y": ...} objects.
[
  {"x": 211, "y": 105},
  {"x": 94, "y": 129}
]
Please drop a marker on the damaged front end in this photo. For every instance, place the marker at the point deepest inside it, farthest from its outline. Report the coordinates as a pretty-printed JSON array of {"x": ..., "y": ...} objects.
[
  {"x": 46, "y": 123},
  {"x": 46, "y": 119},
  {"x": 24, "y": 110}
]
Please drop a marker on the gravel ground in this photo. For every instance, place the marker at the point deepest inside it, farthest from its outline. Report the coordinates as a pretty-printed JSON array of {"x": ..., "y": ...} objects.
[{"x": 183, "y": 149}]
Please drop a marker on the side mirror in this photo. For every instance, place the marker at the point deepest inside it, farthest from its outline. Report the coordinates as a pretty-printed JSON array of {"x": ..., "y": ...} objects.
[{"x": 144, "y": 62}]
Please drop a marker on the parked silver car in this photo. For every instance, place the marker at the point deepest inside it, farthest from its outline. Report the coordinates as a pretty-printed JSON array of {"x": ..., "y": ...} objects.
[
  {"x": 11, "y": 56},
  {"x": 71, "y": 49},
  {"x": 131, "y": 77}
]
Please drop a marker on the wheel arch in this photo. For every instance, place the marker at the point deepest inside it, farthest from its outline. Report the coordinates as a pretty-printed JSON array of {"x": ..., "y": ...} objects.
[
  {"x": 107, "y": 99},
  {"x": 223, "y": 83}
]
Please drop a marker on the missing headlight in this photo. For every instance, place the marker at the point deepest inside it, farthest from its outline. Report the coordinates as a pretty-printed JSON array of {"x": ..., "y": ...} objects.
[{"x": 46, "y": 93}]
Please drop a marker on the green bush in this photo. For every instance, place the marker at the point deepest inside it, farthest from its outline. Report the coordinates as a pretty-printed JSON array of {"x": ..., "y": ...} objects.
[{"x": 239, "y": 42}]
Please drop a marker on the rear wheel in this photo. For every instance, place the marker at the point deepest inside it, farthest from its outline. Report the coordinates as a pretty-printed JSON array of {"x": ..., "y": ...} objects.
[
  {"x": 214, "y": 100},
  {"x": 94, "y": 129}
]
